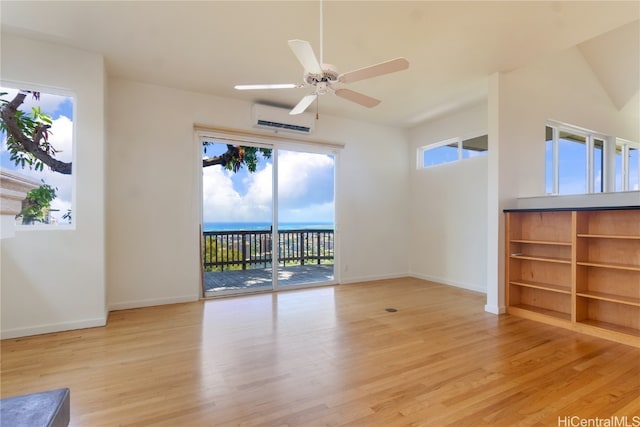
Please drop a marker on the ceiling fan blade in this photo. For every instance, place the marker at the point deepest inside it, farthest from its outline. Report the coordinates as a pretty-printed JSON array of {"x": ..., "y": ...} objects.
[
  {"x": 303, "y": 104},
  {"x": 387, "y": 67},
  {"x": 357, "y": 97},
  {"x": 267, "y": 86},
  {"x": 304, "y": 52}
]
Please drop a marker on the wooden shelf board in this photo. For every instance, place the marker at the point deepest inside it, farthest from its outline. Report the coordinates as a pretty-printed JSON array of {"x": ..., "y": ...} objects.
[
  {"x": 603, "y": 296},
  {"x": 610, "y": 265},
  {"x": 611, "y": 327},
  {"x": 544, "y": 286},
  {"x": 543, "y": 259},
  {"x": 540, "y": 242},
  {"x": 609, "y": 236},
  {"x": 522, "y": 309}
]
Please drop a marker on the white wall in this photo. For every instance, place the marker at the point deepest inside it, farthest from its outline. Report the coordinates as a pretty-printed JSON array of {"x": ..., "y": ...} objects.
[
  {"x": 448, "y": 206},
  {"x": 153, "y": 200},
  {"x": 561, "y": 87},
  {"x": 372, "y": 199},
  {"x": 54, "y": 280},
  {"x": 628, "y": 122},
  {"x": 386, "y": 208}
]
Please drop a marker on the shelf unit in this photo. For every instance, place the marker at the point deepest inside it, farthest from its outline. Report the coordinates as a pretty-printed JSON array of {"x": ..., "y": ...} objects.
[{"x": 576, "y": 268}]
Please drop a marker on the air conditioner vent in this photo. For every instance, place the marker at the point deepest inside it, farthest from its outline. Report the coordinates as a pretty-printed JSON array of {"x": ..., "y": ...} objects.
[
  {"x": 287, "y": 126},
  {"x": 267, "y": 117}
]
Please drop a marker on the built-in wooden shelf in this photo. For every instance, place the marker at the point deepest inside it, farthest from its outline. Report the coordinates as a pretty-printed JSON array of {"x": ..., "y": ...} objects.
[
  {"x": 619, "y": 299},
  {"x": 610, "y": 265},
  {"x": 632, "y": 332},
  {"x": 542, "y": 259},
  {"x": 576, "y": 268},
  {"x": 608, "y": 236},
  {"x": 541, "y": 242},
  {"x": 543, "y": 311},
  {"x": 544, "y": 286}
]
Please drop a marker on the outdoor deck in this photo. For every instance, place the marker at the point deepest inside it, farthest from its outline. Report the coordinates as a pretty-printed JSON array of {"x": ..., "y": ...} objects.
[{"x": 257, "y": 278}]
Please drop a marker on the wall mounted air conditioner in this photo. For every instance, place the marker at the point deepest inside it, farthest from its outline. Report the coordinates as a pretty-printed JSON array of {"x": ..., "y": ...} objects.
[{"x": 279, "y": 119}]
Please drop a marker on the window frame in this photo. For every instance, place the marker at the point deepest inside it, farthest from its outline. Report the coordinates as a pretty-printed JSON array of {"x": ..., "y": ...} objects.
[
  {"x": 625, "y": 172},
  {"x": 458, "y": 140},
  {"x": 590, "y": 138},
  {"x": 49, "y": 90}
]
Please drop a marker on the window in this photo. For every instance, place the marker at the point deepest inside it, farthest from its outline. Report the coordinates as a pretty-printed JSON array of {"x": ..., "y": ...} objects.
[
  {"x": 572, "y": 163},
  {"x": 474, "y": 147},
  {"x": 597, "y": 165},
  {"x": 51, "y": 202},
  {"x": 575, "y": 161},
  {"x": 550, "y": 160},
  {"x": 627, "y": 162},
  {"x": 452, "y": 150}
]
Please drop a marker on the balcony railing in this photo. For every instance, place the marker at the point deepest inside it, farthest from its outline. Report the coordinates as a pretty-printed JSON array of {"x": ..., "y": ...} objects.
[{"x": 247, "y": 249}]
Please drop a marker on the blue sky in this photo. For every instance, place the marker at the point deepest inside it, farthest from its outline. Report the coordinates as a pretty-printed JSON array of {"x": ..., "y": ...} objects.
[
  {"x": 61, "y": 110},
  {"x": 305, "y": 182},
  {"x": 573, "y": 164}
]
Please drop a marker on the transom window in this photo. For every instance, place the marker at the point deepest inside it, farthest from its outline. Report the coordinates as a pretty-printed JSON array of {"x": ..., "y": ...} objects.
[{"x": 452, "y": 150}]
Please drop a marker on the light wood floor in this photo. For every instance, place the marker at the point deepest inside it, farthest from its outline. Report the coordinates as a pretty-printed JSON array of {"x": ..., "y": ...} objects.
[{"x": 328, "y": 357}]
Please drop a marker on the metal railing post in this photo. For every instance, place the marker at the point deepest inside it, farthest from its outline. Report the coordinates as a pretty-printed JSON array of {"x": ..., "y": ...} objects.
[{"x": 244, "y": 251}]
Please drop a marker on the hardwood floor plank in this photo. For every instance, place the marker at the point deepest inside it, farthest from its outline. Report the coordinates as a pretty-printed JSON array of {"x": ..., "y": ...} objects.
[{"x": 328, "y": 356}]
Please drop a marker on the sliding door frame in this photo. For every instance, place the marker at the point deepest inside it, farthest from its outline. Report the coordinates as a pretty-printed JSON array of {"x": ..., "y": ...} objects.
[{"x": 275, "y": 142}]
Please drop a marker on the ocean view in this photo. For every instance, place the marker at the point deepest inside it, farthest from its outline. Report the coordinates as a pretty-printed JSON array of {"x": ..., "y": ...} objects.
[{"x": 225, "y": 226}]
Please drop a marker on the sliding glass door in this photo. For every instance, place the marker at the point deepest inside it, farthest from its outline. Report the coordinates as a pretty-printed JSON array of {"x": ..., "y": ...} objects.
[
  {"x": 260, "y": 204},
  {"x": 237, "y": 215},
  {"x": 305, "y": 207}
]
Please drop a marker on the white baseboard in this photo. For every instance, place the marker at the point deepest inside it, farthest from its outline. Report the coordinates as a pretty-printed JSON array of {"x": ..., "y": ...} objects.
[
  {"x": 51, "y": 328},
  {"x": 372, "y": 278},
  {"x": 440, "y": 280},
  {"x": 152, "y": 302},
  {"x": 495, "y": 309}
]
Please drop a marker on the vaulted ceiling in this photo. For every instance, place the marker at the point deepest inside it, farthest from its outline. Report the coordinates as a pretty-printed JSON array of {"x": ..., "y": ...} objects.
[{"x": 209, "y": 46}]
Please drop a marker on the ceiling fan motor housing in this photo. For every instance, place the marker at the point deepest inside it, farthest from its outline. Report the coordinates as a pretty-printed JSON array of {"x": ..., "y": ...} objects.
[{"x": 329, "y": 75}]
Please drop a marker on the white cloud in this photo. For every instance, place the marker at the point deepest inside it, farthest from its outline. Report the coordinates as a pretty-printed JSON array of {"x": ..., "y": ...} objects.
[
  {"x": 222, "y": 203},
  {"x": 304, "y": 179},
  {"x": 305, "y": 189},
  {"x": 217, "y": 194},
  {"x": 260, "y": 189}
]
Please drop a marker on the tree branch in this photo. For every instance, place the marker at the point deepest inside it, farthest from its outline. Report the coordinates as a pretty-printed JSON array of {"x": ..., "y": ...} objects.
[
  {"x": 227, "y": 157},
  {"x": 8, "y": 113}
]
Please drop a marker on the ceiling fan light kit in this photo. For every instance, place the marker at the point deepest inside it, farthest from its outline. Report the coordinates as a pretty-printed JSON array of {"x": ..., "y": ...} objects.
[{"x": 324, "y": 78}]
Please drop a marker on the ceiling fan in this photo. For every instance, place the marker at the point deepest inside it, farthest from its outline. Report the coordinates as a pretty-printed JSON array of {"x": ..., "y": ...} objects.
[{"x": 324, "y": 78}]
